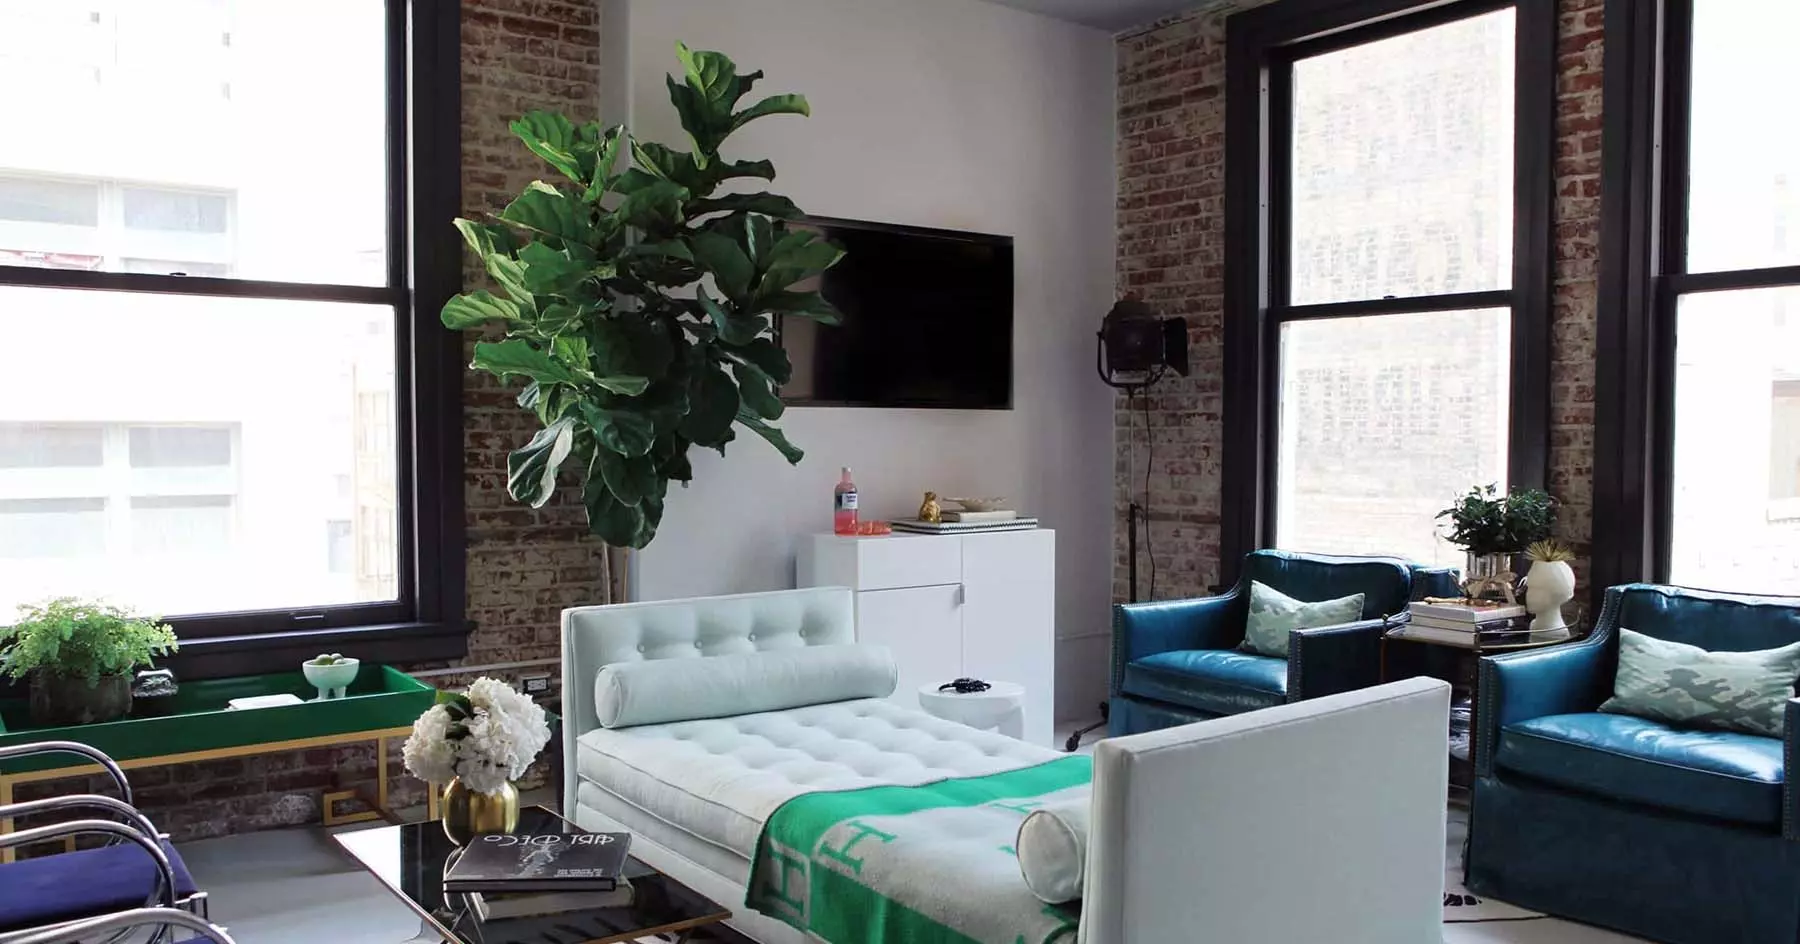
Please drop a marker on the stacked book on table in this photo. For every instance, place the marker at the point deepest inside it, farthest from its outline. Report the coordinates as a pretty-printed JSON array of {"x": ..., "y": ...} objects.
[
  {"x": 1472, "y": 623},
  {"x": 968, "y": 522},
  {"x": 514, "y": 876}
]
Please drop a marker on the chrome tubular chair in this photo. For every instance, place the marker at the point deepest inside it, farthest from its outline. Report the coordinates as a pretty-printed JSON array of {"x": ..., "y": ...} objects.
[
  {"x": 134, "y": 867},
  {"x": 125, "y": 922}
]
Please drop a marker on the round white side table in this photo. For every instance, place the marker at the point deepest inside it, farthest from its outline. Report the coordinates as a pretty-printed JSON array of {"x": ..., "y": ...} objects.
[{"x": 1001, "y": 708}]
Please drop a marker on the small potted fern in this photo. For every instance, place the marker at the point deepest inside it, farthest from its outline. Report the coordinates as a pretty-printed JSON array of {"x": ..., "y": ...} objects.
[{"x": 79, "y": 657}]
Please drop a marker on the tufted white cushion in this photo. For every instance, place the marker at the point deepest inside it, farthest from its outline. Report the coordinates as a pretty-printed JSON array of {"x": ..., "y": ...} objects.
[
  {"x": 1052, "y": 848},
  {"x": 596, "y": 636},
  {"x": 720, "y": 779},
  {"x": 664, "y": 690}
]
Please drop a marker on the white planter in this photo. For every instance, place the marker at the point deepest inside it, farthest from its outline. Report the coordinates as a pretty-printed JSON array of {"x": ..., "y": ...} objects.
[
  {"x": 1548, "y": 585},
  {"x": 330, "y": 680}
]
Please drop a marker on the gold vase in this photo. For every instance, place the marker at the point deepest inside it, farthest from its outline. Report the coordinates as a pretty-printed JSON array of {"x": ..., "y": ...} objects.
[{"x": 468, "y": 814}]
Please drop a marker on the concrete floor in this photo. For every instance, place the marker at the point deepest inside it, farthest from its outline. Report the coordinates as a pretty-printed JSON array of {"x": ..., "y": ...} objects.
[{"x": 298, "y": 887}]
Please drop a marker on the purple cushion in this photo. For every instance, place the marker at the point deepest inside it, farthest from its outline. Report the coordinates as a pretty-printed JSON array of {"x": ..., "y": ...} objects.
[{"x": 82, "y": 884}]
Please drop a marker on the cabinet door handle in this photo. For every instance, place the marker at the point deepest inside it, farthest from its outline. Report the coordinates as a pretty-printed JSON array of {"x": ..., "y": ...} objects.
[{"x": 962, "y": 594}]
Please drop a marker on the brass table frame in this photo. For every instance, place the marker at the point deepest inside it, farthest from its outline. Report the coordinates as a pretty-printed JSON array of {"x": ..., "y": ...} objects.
[{"x": 328, "y": 799}]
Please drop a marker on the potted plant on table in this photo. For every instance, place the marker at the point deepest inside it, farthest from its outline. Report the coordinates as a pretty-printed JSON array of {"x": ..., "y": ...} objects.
[
  {"x": 79, "y": 657},
  {"x": 1493, "y": 529}
]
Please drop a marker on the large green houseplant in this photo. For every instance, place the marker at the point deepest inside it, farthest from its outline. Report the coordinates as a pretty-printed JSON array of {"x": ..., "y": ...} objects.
[
  {"x": 79, "y": 657},
  {"x": 638, "y": 303}
]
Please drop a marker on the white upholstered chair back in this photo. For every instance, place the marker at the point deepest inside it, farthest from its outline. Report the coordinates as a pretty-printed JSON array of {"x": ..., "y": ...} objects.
[
  {"x": 595, "y": 636},
  {"x": 1317, "y": 821}
]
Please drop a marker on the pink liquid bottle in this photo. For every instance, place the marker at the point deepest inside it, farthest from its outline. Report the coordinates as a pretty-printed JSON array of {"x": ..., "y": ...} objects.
[{"x": 843, "y": 505}]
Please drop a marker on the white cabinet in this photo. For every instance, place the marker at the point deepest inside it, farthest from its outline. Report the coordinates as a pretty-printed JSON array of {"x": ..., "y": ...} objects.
[{"x": 978, "y": 605}]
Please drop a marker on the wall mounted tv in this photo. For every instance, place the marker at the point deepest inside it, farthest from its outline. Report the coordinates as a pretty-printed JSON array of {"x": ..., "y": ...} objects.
[{"x": 928, "y": 321}]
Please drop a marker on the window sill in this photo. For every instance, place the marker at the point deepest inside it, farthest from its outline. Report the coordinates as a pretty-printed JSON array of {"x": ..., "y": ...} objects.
[{"x": 266, "y": 653}]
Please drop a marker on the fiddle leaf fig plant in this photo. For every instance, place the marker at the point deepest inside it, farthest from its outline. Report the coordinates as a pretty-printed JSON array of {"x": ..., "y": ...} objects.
[{"x": 637, "y": 301}]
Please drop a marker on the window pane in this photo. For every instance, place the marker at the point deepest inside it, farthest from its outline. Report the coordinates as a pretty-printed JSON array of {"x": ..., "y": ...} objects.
[
  {"x": 1384, "y": 421},
  {"x": 1744, "y": 183},
  {"x": 155, "y": 105},
  {"x": 176, "y": 211},
  {"x": 208, "y": 427},
  {"x": 163, "y": 446},
  {"x": 1402, "y": 165},
  {"x": 27, "y": 200},
  {"x": 1737, "y": 442},
  {"x": 51, "y": 528},
  {"x": 42, "y": 446},
  {"x": 192, "y": 525}
]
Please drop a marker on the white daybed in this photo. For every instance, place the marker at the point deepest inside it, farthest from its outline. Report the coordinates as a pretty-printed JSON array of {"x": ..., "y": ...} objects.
[{"x": 1316, "y": 821}]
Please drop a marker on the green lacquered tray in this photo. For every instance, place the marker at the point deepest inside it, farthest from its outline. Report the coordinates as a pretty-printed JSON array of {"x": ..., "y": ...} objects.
[{"x": 196, "y": 718}]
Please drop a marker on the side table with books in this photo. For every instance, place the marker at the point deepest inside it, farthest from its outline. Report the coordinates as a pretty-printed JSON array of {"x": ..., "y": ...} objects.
[
  {"x": 549, "y": 883},
  {"x": 1459, "y": 633}
]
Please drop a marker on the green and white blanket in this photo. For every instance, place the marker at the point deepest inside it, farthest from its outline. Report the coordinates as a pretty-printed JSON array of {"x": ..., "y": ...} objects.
[{"x": 929, "y": 864}]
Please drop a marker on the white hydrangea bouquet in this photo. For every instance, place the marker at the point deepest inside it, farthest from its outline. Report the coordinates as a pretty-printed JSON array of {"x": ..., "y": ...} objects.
[{"x": 487, "y": 737}]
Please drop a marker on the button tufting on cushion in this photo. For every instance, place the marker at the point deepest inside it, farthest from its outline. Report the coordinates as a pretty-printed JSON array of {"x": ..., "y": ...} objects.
[{"x": 721, "y": 778}]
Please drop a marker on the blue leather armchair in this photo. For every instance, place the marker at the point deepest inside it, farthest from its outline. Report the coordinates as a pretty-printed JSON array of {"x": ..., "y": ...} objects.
[
  {"x": 1679, "y": 835},
  {"x": 1178, "y": 661}
]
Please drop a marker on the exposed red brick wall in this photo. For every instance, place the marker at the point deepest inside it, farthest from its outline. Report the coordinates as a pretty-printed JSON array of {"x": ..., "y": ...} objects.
[
  {"x": 524, "y": 565},
  {"x": 1577, "y": 271},
  {"x": 1171, "y": 154}
]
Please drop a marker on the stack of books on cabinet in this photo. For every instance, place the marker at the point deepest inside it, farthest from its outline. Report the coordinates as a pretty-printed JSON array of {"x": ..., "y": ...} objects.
[{"x": 1473, "y": 623}]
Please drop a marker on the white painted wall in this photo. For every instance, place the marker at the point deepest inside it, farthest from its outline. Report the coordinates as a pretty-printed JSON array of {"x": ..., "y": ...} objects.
[{"x": 947, "y": 113}]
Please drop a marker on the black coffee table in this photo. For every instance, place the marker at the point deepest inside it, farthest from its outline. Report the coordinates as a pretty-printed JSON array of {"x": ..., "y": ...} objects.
[{"x": 409, "y": 859}]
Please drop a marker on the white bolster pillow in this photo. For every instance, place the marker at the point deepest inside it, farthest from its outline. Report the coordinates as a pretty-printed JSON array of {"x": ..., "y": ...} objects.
[
  {"x": 1052, "y": 849},
  {"x": 658, "y": 691}
]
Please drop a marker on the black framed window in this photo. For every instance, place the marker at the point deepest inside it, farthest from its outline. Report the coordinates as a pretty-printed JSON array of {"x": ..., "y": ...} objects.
[
  {"x": 1697, "y": 471},
  {"x": 227, "y": 398},
  {"x": 1387, "y": 284}
]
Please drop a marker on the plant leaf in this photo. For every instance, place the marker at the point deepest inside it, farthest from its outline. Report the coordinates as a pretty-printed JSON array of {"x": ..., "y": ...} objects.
[
  {"x": 767, "y": 356},
  {"x": 803, "y": 305},
  {"x": 798, "y": 255},
  {"x": 558, "y": 319},
  {"x": 623, "y": 385},
  {"x": 773, "y": 105},
  {"x": 615, "y": 522},
  {"x": 517, "y": 357},
  {"x": 511, "y": 276},
  {"x": 733, "y": 329},
  {"x": 713, "y": 75},
  {"x": 550, "y": 271},
  {"x": 792, "y": 453},
  {"x": 626, "y": 433},
  {"x": 722, "y": 256},
  {"x": 476, "y": 309},
  {"x": 554, "y": 138},
  {"x": 667, "y": 163},
  {"x": 547, "y": 210},
  {"x": 629, "y": 478},
  {"x": 531, "y": 470},
  {"x": 713, "y": 403},
  {"x": 757, "y": 391},
  {"x": 656, "y": 207},
  {"x": 487, "y": 238}
]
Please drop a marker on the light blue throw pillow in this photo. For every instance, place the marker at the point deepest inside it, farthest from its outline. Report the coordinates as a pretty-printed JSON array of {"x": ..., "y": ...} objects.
[
  {"x": 1687, "y": 685},
  {"x": 1273, "y": 614}
]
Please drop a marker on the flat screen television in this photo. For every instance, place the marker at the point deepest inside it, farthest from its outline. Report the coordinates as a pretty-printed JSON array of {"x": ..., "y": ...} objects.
[{"x": 928, "y": 321}]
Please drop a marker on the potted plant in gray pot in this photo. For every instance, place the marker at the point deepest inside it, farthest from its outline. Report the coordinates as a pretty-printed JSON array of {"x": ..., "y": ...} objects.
[{"x": 79, "y": 657}]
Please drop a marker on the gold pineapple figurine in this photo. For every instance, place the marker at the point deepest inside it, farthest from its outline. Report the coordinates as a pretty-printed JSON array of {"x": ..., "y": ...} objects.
[{"x": 929, "y": 512}]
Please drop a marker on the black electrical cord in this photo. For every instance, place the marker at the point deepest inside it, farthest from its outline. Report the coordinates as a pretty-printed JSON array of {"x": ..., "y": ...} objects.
[{"x": 1149, "y": 463}]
